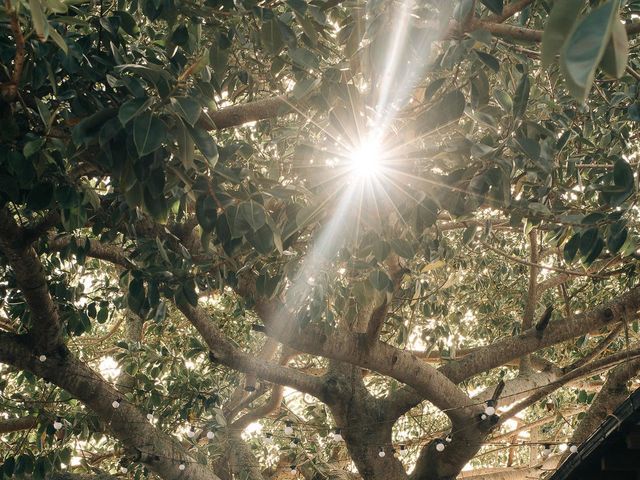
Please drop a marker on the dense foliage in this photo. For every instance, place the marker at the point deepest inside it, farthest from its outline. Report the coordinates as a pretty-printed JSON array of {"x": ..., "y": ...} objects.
[{"x": 257, "y": 239}]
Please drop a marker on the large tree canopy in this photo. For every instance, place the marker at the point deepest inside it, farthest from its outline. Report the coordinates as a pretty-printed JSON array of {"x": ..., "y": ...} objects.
[{"x": 262, "y": 239}]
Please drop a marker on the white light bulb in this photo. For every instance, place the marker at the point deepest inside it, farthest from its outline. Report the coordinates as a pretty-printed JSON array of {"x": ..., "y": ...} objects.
[
  {"x": 150, "y": 417},
  {"x": 440, "y": 446},
  {"x": 448, "y": 439},
  {"x": 337, "y": 437},
  {"x": 483, "y": 416},
  {"x": 563, "y": 447},
  {"x": 57, "y": 425},
  {"x": 182, "y": 466},
  {"x": 115, "y": 404},
  {"x": 124, "y": 469},
  {"x": 288, "y": 430},
  {"x": 573, "y": 448},
  {"x": 489, "y": 410},
  {"x": 546, "y": 451},
  {"x": 293, "y": 470},
  {"x": 268, "y": 439},
  {"x": 42, "y": 358},
  {"x": 191, "y": 432},
  {"x": 210, "y": 435},
  {"x": 381, "y": 454}
]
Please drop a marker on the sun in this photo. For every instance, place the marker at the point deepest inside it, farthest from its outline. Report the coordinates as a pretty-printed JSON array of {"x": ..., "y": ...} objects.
[{"x": 365, "y": 161}]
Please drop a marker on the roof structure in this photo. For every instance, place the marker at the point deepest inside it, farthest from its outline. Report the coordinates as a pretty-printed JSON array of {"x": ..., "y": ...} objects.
[{"x": 612, "y": 452}]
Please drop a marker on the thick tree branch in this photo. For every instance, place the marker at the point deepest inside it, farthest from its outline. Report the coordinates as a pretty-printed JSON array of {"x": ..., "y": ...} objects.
[
  {"x": 16, "y": 424},
  {"x": 236, "y": 115},
  {"x": 30, "y": 277},
  {"x": 498, "y": 353},
  {"x": 157, "y": 450},
  {"x": 225, "y": 353},
  {"x": 597, "y": 350},
  {"x": 585, "y": 370},
  {"x": 612, "y": 394},
  {"x": 355, "y": 349},
  {"x": 108, "y": 253}
]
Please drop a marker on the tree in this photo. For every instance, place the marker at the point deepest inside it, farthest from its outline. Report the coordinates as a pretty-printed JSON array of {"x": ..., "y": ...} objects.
[{"x": 378, "y": 240}]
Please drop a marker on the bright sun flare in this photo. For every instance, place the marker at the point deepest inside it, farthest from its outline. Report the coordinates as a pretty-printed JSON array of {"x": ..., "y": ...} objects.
[{"x": 365, "y": 161}]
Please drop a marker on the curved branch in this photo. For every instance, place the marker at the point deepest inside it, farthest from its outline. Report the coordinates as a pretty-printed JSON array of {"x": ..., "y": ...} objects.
[
  {"x": 17, "y": 424},
  {"x": 225, "y": 353},
  {"x": 612, "y": 394},
  {"x": 509, "y": 348},
  {"x": 356, "y": 349},
  {"x": 30, "y": 277},
  {"x": 157, "y": 450}
]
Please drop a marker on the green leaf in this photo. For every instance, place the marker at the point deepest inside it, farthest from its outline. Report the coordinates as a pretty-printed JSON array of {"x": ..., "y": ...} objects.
[
  {"x": 571, "y": 248},
  {"x": 623, "y": 174},
  {"x": 58, "y": 40},
  {"x": 205, "y": 143},
  {"x": 206, "y": 212},
  {"x": 33, "y": 147},
  {"x": 149, "y": 132},
  {"x": 614, "y": 60},
  {"x": 595, "y": 251},
  {"x": 188, "y": 108},
  {"x": 379, "y": 280},
  {"x": 561, "y": 20},
  {"x": 40, "y": 24},
  {"x": 521, "y": 97},
  {"x": 503, "y": 99},
  {"x": 156, "y": 206},
  {"x": 617, "y": 237},
  {"x": 136, "y": 295},
  {"x": 262, "y": 239},
  {"x": 494, "y": 5},
  {"x": 402, "y": 248},
  {"x": 132, "y": 108},
  {"x": 271, "y": 36},
  {"x": 469, "y": 234},
  {"x": 449, "y": 109},
  {"x": 489, "y": 60},
  {"x": 585, "y": 48},
  {"x": 186, "y": 146},
  {"x": 253, "y": 214},
  {"x": 588, "y": 240}
]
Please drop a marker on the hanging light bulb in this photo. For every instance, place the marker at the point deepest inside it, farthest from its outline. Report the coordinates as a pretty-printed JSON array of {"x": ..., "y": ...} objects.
[
  {"x": 337, "y": 435},
  {"x": 268, "y": 438},
  {"x": 123, "y": 469},
  {"x": 116, "y": 403},
  {"x": 573, "y": 448},
  {"x": 294, "y": 442},
  {"x": 563, "y": 447},
  {"x": 439, "y": 445},
  {"x": 288, "y": 428},
  {"x": 57, "y": 424},
  {"x": 483, "y": 416},
  {"x": 210, "y": 435},
  {"x": 448, "y": 438},
  {"x": 42, "y": 358},
  {"x": 546, "y": 451},
  {"x": 191, "y": 432},
  {"x": 381, "y": 453},
  {"x": 490, "y": 409},
  {"x": 293, "y": 470},
  {"x": 182, "y": 466},
  {"x": 150, "y": 417}
]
